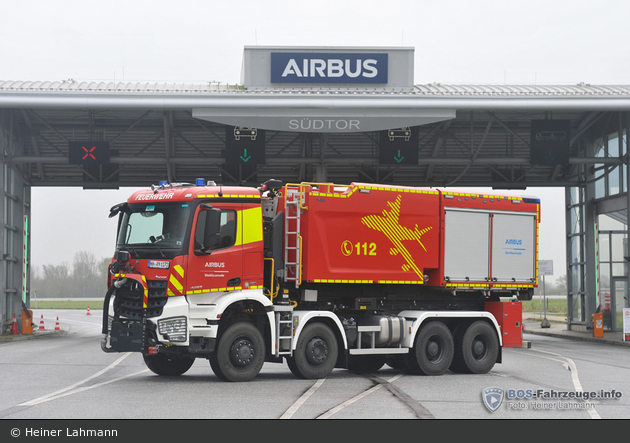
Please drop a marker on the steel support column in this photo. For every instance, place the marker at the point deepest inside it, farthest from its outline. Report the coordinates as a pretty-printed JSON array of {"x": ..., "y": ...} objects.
[
  {"x": 15, "y": 253},
  {"x": 626, "y": 125}
]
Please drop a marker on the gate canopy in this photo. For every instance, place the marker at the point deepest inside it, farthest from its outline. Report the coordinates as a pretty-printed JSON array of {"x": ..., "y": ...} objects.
[{"x": 461, "y": 135}]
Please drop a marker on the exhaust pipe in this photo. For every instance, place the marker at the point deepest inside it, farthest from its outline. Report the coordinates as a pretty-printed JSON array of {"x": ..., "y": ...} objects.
[{"x": 105, "y": 329}]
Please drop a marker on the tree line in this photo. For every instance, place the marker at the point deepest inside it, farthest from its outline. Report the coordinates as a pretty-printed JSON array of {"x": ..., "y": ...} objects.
[
  {"x": 85, "y": 277},
  {"x": 557, "y": 287}
]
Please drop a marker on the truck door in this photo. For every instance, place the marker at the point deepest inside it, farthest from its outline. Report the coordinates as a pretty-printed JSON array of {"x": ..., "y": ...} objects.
[
  {"x": 466, "y": 245},
  {"x": 514, "y": 247},
  {"x": 220, "y": 268}
]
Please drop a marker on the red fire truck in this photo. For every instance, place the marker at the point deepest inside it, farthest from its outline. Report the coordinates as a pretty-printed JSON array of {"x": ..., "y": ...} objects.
[{"x": 321, "y": 275}]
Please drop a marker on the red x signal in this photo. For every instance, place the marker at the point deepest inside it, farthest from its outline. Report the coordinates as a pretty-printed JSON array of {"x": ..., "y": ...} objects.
[{"x": 88, "y": 153}]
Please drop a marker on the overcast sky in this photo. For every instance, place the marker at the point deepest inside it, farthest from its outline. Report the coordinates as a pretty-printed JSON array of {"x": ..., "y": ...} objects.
[{"x": 464, "y": 42}]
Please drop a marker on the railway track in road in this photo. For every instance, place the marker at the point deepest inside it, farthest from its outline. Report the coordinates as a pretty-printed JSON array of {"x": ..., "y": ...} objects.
[{"x": 379, "y": 383}]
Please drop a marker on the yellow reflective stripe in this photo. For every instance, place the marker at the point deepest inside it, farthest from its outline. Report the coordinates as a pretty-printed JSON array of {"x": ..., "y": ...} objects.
[
  {"x": 231, "y": 288},
  {"x": 249, "y": 226},
  {"x": 179, "y": 270},
  {"x": 252, "y": 225},
  {"x": 176, "y": 284},
  {"x": 145, "y": 299},
  {"x": 239, "y": 228}
]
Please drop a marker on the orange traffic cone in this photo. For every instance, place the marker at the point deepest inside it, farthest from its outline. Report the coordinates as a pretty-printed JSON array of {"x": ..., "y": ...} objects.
[
  {"x": 41, "y": 323},
  {"x": 14, "y": 329},
  {"x": 57, "y": 325},
  {"x": 88, "y": 312}
]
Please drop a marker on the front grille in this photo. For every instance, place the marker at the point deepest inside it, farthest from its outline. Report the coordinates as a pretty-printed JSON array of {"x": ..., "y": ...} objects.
[{"x": 128, "y": 302}]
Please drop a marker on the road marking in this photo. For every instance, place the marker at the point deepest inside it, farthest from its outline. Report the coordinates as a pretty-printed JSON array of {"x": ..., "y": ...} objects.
[
  {"x": 575, "y": 379},
  {"x": 63, "y": 392},
  {"x": 87, "y": 388}
]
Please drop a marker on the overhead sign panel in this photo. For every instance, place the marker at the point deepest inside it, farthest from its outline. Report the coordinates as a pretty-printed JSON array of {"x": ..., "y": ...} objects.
[
  {"x": 348, "y": 67},
  {"x": 324, "y": 67},
  {"x": 244, "y": 145},
  {"x": 88, "y": 153},
  {"x": 399, "y": 146},
  {"x": 550, "y": 142}
]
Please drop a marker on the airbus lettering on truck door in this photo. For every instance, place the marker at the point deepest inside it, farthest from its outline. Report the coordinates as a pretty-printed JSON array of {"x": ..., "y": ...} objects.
[
  {"x": 294, "y": 67},
  {"x": 513, "y": 246}
]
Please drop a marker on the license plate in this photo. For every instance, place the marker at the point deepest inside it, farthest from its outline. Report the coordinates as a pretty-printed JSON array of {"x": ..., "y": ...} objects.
[{"x": 159, "y": 264}]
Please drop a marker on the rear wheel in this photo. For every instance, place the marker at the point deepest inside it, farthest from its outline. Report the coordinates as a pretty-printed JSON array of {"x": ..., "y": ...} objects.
[
  {"x": 169, "y": 365},
  {"x": 432, "y": 353},
  {"x": 315, "y": 354},
  {"x": 240, "y": 353},
  {"x": 476, "y": 349}
]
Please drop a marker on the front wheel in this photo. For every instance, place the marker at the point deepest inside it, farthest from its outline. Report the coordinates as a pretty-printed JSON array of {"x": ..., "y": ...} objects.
[
  {"x": 315, "y": 353},
  {"x": 240, "y": 353},
  {"x": 164, "y": 364},
  {"x": 432, "y": 352},
  {"x": 476, "y": 349}
]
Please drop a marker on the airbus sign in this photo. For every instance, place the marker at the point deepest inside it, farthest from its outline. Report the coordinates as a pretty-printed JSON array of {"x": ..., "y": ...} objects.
[{"x": 342, "y": 68}]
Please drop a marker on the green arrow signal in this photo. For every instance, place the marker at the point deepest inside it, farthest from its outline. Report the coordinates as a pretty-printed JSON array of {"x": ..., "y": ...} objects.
[
  {"x": 246, "y": 157},
  {"x": 399, "y": 158}
]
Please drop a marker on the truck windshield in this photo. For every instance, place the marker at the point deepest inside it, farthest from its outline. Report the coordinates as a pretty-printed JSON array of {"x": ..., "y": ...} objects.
[{"x": 159, "y": 225}]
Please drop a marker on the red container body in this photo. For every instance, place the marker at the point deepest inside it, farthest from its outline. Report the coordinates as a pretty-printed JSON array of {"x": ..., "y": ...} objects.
[{"x": 363, "y": 234}]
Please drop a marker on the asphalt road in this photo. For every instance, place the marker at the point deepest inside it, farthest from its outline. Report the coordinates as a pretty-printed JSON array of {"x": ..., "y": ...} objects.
[{"x": 67, "y": 376}]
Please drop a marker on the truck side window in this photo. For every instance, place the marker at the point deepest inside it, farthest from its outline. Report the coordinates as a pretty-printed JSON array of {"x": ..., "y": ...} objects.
[{"x": 227, "y": 230}]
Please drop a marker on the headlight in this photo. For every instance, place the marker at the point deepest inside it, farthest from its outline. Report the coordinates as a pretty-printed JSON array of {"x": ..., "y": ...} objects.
[{"x": 173, "y": 329}]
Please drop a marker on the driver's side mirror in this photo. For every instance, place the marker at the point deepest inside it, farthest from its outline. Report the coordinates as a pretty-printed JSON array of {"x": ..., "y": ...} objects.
[{"x": 212, "y": 227}]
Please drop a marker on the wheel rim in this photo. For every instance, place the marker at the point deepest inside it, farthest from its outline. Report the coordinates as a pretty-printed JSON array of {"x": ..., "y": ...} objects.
[
  {"x": 316, "y": 351},
  {"x": 434, "y": 349},
  {"x": 479, "y": 348},
  {"x": 242, "y": 352}
]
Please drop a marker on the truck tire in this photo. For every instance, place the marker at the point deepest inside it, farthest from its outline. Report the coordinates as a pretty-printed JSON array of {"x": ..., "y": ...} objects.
[
  {"x": 476, "y": 349},
  {"x": 240, "y": 353},
  {"x": 432, "y": 352},
  {"x": 164, "y": 364},
  {"x": 315, "y": 354}
]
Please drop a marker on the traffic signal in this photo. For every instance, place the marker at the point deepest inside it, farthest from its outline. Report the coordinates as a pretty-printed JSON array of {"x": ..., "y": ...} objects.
[
  {"x": 244, "y": 145},
  {"x": 549, "y": 142},
  {"x": 399, "y": 146},
  {"x": 88, "y": 153}
]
